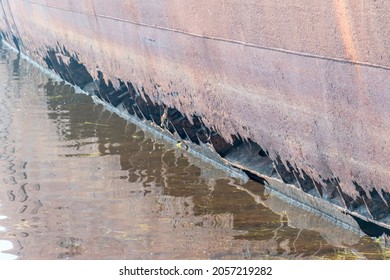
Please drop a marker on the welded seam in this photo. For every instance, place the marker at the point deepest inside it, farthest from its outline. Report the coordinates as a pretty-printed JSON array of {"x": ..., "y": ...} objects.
[
  {"x": 13, "y": 19},
  {"x": 246, "y": 44},
  {"x": 5, "y": 17}
]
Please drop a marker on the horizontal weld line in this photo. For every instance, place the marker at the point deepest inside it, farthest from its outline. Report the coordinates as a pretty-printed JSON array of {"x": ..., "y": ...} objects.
[{"x": 251, "y": 45}]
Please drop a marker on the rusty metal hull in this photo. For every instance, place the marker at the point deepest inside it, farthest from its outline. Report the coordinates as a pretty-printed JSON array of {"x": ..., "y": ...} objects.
[{"x": 291, "y": 91}]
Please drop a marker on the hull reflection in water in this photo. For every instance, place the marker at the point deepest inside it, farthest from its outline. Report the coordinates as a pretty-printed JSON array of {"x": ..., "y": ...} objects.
[{"x": 79, "y": 182}]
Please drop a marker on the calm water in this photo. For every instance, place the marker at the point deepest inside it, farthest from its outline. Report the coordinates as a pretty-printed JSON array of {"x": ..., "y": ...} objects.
[{"x": 79, "y": 182}]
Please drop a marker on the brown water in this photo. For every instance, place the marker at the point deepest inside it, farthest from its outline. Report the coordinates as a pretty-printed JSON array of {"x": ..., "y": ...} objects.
[{"x": 79, "y": 182}]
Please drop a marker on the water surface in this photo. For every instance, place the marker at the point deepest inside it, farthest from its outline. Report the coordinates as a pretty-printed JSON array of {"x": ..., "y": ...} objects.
[{"x": 79, "y": 182}]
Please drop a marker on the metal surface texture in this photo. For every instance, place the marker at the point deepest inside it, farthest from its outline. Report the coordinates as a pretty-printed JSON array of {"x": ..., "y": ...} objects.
[{"x": 307, "y": 81}]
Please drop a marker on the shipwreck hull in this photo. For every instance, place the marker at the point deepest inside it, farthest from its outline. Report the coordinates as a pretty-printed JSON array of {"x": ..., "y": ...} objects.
[{"x": 295, "y": 93}]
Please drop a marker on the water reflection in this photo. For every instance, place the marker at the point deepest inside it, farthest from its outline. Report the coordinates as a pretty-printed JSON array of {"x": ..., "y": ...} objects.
[
  {"x": 78, "y": 182},
  {"x": 5, "y": 245}
]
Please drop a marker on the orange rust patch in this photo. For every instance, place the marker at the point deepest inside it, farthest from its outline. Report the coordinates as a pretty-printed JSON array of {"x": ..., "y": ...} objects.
[{"x": 345, "y": 28}]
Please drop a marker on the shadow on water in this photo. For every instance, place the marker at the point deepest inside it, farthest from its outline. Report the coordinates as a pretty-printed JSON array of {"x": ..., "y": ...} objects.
[{"x": 79, "y": 182}]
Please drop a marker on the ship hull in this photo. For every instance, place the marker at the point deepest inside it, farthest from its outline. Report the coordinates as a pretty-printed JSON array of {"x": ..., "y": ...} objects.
[{"x": 296, "y": 93}]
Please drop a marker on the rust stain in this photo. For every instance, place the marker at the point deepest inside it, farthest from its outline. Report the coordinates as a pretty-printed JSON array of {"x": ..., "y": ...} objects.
[{"x": 345, "y": 27}]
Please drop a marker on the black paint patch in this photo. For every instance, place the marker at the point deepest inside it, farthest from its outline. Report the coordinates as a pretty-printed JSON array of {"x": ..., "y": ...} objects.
[
  {"x": 371, "y": 229},
  {"x": 16, "y": 42},
  {"x": 71, "y": 71}
]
